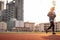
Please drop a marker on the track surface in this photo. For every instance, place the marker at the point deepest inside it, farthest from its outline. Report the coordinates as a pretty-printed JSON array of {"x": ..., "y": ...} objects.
[{"x": 17, "y": 36}]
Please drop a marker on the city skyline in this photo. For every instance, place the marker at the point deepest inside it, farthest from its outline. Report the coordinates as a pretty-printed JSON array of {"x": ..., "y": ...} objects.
[{"x": 36, "y": 10}]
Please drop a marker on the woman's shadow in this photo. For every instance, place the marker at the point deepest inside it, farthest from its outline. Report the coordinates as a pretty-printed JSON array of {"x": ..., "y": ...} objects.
[{"x": 51, "y": 37}]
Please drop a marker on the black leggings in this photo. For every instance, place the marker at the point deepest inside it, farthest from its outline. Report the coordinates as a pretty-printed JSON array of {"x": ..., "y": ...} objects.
[{"x": 51, "y": 26}]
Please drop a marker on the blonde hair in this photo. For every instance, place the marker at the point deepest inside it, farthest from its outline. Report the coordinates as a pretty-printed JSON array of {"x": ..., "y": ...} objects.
[{"x": 52, "y": 8}]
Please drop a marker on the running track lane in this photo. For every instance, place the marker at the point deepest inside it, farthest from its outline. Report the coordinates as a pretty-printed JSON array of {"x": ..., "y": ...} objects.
[{"x": 29, "y": 37}]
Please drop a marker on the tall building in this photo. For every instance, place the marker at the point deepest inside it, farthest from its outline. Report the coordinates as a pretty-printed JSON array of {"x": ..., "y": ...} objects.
[
  {"x": 4, "y": 15},
  {"x": 0, "y": 16},
  {"x": 10, "y": 14},
  {"x": 1, "y": 5},
  {"x": 19, "y": 9},
  {"x": 1, "y": 9},
  {"x": 14, "y": 11},
  {"x": 10, "y": 7}
]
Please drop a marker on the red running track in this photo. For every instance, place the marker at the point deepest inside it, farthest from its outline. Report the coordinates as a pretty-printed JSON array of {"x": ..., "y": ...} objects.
[{"x": 13, "y": 36}]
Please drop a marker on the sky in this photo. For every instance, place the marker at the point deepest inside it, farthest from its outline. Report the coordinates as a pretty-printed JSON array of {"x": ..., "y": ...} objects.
[{"x": 37, "y": 10}]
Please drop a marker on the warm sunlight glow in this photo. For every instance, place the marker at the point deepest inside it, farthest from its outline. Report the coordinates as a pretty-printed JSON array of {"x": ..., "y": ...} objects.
[{"x": 36, "y": 10}]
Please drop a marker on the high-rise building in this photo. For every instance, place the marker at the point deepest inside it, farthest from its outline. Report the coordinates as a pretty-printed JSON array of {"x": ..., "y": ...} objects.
[
  {"x": 14, "y": 11},
  {"x": 10, "y": 7},
  {"x": 10, "y": 12},
  {"x": 19, "y": 9},
  {"x": 1, "y": 9},
  {"x": 4, "y": 15},
  {"x": 1, "y": 5}
]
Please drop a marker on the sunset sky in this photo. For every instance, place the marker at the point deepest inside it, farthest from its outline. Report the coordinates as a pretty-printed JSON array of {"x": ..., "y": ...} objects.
[{"x": 36, "y": 10}]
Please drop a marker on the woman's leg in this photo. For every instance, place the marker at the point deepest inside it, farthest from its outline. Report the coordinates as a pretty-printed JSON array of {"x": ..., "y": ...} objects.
[
  {"x": 53, "y": 28},
  {"x": 49, "y": 27}
]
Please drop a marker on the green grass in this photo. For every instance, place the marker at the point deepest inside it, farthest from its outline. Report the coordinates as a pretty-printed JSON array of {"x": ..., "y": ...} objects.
[
  {"x": 24, "y": 32},
  {"x": 27, "y": 32}
]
